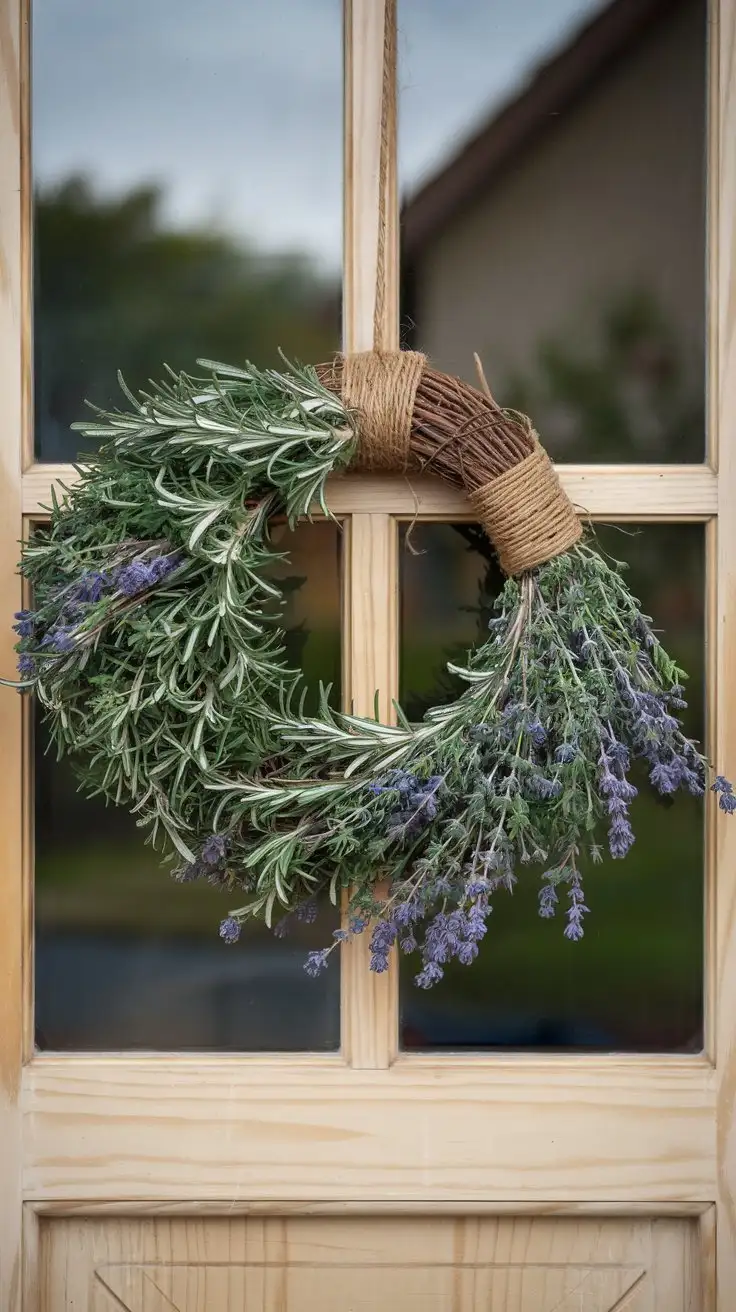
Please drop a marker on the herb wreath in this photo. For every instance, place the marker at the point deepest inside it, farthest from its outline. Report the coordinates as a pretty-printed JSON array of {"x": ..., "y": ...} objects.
[{"x": 154, "y": 649}]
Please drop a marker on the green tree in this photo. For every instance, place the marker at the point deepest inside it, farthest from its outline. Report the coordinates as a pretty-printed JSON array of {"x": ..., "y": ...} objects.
[{"x": 116, "y": 288}]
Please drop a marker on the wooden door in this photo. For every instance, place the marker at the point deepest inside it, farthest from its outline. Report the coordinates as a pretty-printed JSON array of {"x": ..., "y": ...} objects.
[{"x": 374, "y": 1175}]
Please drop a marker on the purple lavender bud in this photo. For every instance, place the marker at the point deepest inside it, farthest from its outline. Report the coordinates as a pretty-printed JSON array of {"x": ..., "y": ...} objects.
[
  {"x": 466, "y": 953},
  {"x": 214, "y": 849},
  {"x": 620, "y": 838},
  {"x": 316, "y": 962},
  {"x": 693, "y": 783},
  {"x": 476, "y": 888},
  {"x": 408, "y": 943},
  {"x": 664, "y": 778},
  {"x": 160, "y": 566},
  {"x": 612, "y": 786},
  {"x": 91, "y": 586},
  {"x": 133, "y": 578},
  {"x": 536, "y": 731},
  {"x": 379, "y": 963},
  {"x": 340, "y": 935},
  {"x": 618, "y": 752},
  {"x": 405, "y": 913},
  {"x": 383, "y": 937},
  {"x": 229, "y": 930},
  {"x": 432, "y": 974},
  {"x": 476, "y": 923},
  {"x": 727, "y": 803},
  {"x": 59, "y": 639},
  {"x": 617, "y": 806},
  {"x": 577, "y": 909},
  {"x": 357, "y": 925},
  {"x": 565, "y": 753},
  {"x": 25, "y": 623},
  {"x": 548, "y": 900},
  {"x": 721, "y": 785},
  {"x": 26, "y": 666},
  {"x": 574, "y": 930}
]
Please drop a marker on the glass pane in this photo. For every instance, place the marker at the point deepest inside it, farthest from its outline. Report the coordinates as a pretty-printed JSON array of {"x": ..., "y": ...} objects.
[
  {"x": 187, "y": 177},
  {"x": 634, "y": 983},
  {"x": 552, "y": 162},
  {"x": 125, "y": 957}
]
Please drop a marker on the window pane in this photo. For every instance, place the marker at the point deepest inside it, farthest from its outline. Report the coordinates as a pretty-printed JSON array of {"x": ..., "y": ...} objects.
[
  {"x": 125, "y": 957},
  {"x": 552, "y": 163},
  {"x": 187, "y": 176},
  {"x": 635, "y": 981}
]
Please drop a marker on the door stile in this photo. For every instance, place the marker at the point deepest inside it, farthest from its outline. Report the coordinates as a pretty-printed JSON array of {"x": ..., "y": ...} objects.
[
  {"x": 723, "y": 418},
  {"x": 12, "y": 327}
]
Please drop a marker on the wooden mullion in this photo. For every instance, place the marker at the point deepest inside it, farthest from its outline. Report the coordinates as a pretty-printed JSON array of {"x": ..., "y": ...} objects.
[
  {"x": 369, "y": 1001},
  {"x": 627, "y": 492},
  {"x": 370, "y": 320}
]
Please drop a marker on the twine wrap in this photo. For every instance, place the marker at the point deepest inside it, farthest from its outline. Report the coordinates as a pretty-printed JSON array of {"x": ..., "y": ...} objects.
[
  {"x": 380, "y": 387},
  {"x": 412, "y": 417},
  {"x": 527, "y": 514}
]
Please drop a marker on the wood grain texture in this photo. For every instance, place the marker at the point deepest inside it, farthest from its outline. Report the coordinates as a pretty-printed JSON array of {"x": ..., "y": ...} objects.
[
  {"x": 702, "y": 1212},
  {"x": 156, "y": 1128},
  {"x": 367, "y": 1265},
  {"x": 370, "y": 204},
  {"x": 723, "y": 418},
  {"x": 707, "y": 1246},
  {"x": 369, "y": 1002},
  {"x": 369, "y": 1008},
  {"x": 265, "y": 1137},
  {"x": 12, "y": 328},
  {"x": 620, "y": 491},
  {"x": 31, "y": 1262}
]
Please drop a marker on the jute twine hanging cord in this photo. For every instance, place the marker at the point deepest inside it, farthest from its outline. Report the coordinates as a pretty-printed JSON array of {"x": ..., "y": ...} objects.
[{"x": 414, "y": 418}]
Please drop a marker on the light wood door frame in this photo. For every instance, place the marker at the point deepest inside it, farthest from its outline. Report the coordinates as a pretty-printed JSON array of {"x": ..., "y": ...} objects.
[{"x": 372, "y": 1129}]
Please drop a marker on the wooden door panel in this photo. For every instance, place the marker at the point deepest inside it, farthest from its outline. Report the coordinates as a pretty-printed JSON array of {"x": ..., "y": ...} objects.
[{"x": 367, "y": 1264}]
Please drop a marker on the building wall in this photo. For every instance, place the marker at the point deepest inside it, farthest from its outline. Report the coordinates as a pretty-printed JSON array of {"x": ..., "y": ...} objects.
[{"x": 610, "y": 197}]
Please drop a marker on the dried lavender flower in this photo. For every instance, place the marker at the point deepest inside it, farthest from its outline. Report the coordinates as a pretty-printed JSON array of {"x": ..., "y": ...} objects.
[{"x": 230, "y": 929}]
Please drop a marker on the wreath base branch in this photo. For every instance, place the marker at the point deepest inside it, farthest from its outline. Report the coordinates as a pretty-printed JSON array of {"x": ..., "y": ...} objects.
[{"x": 524, "y": 510}]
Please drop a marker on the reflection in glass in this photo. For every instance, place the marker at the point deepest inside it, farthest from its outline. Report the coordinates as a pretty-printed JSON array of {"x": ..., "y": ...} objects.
[
  {"x": 125, "y": 957},
  {"x": 635, "y": 981},
  {"x": 552, "y": 162},
  {"x": 187, "y": 180}
]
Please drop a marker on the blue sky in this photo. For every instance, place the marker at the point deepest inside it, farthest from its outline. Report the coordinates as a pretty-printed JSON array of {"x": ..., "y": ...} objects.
[{"x": 234, "y": 106}]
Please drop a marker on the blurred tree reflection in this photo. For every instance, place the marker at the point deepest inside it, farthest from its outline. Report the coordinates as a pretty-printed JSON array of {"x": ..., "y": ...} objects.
[
  {"x": 625, "y": 392},
  {"x": 116, "y": 288}
]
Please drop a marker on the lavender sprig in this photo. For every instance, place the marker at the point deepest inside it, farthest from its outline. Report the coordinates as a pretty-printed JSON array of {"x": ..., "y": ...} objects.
[{"x": 151, "y": 648}]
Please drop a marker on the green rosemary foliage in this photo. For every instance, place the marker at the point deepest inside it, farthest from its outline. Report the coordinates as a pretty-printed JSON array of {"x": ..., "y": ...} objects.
[{"x": 154, "y": 648}]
